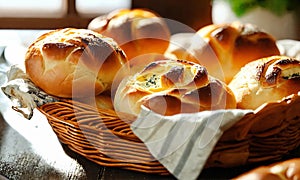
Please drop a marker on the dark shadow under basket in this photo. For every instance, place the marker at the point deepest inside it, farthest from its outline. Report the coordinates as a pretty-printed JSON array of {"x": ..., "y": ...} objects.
[{"x": 105, "y": 137}]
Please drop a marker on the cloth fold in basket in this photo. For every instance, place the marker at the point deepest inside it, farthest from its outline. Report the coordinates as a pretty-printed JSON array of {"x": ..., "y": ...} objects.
[
  {"x": 182, "y": 143},
  {"x": 23, "y": 93}
]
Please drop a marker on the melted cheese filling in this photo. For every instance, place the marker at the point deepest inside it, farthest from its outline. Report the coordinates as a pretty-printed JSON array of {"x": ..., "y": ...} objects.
[
  {"x": 152, "y": 80},
  {"x": 290, "y": 73}
]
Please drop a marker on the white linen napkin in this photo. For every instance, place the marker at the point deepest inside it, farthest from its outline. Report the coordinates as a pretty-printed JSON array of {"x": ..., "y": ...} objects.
[
  {"x": 23, "y": 93},
  {"x": 183, "y": 142}
]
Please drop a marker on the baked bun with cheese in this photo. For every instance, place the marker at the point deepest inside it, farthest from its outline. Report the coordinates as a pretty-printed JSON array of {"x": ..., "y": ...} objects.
[
  {"x": 74, "y": 62},
  {"x": 228, "y": 48},
  {"x": 137, "y": 31},
  {"x": 287, "y": 169},
  {"x": 170, "y": 87},
  {"x": 266, "y": 80}
]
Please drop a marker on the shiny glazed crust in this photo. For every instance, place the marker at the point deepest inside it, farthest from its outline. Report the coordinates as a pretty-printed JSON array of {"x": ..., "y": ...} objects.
[
  {"x": 73, "y": 62},
  {"x": 266, "y": 80},
  {"x": 224, "y": 48},
  {"x": 170, "y": 87},
  {"x": 237, "y": 44},
  {"x": 137, "y": 31}
]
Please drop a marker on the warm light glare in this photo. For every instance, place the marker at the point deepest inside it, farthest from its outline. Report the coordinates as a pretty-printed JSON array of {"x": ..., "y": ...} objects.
[
  {"x": 33, "y": 8},
  {"x": 99, "y": 7}
]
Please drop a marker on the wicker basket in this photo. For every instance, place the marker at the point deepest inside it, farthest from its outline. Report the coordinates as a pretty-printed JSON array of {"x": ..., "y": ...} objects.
[{"x": 104, "y": 137}]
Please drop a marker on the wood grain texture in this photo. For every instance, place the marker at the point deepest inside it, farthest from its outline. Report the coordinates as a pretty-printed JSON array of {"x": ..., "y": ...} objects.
[{"x": 18, "y": 159}]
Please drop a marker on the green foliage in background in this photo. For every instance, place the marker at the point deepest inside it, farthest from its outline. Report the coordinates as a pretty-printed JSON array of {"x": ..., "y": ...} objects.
[{"x": 278, "y": 7}]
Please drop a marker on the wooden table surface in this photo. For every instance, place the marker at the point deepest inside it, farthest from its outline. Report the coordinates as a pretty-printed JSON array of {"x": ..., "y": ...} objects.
[{"x": 29, "y": 149}]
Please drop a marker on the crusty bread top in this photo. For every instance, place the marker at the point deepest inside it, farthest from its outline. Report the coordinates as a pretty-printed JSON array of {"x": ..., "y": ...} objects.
[{"x": 61, "y": 58}]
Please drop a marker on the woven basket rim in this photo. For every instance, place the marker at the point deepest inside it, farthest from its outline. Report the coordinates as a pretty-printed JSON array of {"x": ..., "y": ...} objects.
[{"x": 233, "y": 141}]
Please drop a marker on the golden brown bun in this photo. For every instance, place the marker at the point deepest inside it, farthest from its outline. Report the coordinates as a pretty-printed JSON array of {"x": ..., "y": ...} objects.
[
  {"x": 285, "y": 170},
  {"x": 170, "y": 87},
  {"x": 192, "y": 47},
  {"x": 188, "y": 46},
  {"x": 137, "y": 31},
  {"x": 73, "y": 62},
  {"x": 266, "y": 80},
  {"x": 228, "y": 48}
]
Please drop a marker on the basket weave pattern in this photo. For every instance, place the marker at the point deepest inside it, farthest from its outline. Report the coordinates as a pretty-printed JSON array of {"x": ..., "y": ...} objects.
[
  {"x": 100, "y": 136},
  {"x": 270, "y": 133},
  {"x": 105, "y": 137}
]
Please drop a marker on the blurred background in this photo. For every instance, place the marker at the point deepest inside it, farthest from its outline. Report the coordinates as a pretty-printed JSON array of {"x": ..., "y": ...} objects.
[
  {"x": 272, "y": 15},
  {"x": 49, "y": 14}
]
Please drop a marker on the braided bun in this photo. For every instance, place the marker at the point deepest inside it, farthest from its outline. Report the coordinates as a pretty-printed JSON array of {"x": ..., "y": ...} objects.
[
  {"x": 173, "y": 86},
  {"x": 266, "y": 80}
]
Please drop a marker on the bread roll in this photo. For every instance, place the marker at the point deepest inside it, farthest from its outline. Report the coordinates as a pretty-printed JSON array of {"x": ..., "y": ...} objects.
[
  {"x": 137, "y": 31},
  {"x": 73, "y": 62},
  {"x": 170, "y": 87},
  {"x": 288, "y": 169},
  {"x": 228, "y": 48},
  {"x": 266, "y": 80},
  {"x": 192, "y": 47}
]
